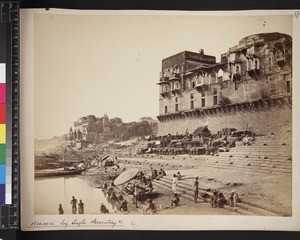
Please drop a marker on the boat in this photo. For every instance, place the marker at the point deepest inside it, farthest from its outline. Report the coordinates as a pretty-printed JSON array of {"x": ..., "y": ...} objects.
[{"x": 59, "y": 172}]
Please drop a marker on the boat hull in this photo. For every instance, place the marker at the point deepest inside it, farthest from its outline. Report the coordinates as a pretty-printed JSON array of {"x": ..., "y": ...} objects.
[{"x": 56, "y": 173}]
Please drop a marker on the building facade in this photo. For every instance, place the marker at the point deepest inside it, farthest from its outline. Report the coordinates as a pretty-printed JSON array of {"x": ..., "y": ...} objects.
[
  {"x": 195, "y": 90},
  {"x": 90, "y": 130}
]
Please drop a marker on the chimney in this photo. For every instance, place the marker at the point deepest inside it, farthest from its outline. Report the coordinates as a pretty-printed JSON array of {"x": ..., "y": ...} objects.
[{"x": 201, "y": 51}]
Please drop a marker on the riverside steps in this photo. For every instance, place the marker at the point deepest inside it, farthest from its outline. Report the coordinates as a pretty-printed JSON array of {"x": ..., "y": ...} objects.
[
  {"x": 242, "y": 208},
  {"x": 265, "y": 155},
  {"x": 261, "y": 173}
]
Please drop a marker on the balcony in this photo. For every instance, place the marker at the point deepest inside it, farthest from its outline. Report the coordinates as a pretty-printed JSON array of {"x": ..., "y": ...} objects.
[
  {"x": 175, "y": 76},
  {"x": 164, "y": 94},
  {"x": 280, "y": 57},
  {"x": 163, "y": 79},
  {"x": 253, "y": 73},
  {"x": 175, "y": 90},
  {"x": 201, "y": 87},
  {"x": 236, "y": 77}
]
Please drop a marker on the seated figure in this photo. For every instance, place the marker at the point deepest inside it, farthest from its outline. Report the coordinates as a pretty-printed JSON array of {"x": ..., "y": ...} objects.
[
  {"x": 221, "y": 200},
  {"x": 175, "y": 201}
]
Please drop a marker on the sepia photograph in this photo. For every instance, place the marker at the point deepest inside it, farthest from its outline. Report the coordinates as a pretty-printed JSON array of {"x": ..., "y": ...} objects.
[{"x": 157, "y": 114}]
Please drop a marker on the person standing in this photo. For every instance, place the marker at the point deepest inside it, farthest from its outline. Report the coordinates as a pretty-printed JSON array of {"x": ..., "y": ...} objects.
[
  {"x": 60, "y": 209},
  {"x": 175, "y": 184},
  {"x": 196, "y": 189},
  {"x": 74, "y": 205},
  {"x": 80, "y": 207},
  {"x": 136, "y": 193},
  {"x": 214, "y": 199}
]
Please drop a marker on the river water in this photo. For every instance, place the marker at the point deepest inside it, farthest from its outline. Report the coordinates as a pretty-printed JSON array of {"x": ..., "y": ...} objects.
[{"x": 50, "y": 192}]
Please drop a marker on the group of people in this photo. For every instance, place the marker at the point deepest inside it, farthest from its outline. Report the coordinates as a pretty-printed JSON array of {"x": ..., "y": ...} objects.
[
  {"x": 157, "y": 175},
  {"x": 153, "y": 175},
  {"x": 218, "y": 199},
  {"x": 73, "y": 203},
  {"x": 74, "y": 206},
  {"x": 115, "y": 198}
]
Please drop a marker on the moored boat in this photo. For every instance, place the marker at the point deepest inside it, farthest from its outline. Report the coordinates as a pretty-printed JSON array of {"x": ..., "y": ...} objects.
[{"x": 57, "y": 172}]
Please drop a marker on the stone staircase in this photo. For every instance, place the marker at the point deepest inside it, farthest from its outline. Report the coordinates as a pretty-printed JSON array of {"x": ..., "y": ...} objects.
[
  {"x": 242, "y": 208},
  {"x": 267, "y": 155}
]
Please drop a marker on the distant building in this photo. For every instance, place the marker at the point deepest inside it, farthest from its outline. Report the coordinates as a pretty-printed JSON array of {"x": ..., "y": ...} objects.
[
  {"x": 195, "y": 90},
  {"x": 106, "y": 134},
  {"x": 81, "y": 144},
  {"x": 153, "y": 123},
  {"x": 147, "y": 119},
  {"x": 90, "y": 130}
]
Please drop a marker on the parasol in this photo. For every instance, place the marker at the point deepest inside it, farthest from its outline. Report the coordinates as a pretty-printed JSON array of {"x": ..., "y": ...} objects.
[{"x": 126, "y": 176}]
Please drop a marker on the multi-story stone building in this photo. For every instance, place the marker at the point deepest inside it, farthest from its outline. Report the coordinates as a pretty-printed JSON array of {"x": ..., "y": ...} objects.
[
  {"x": 243, "y": 90},
  {"x": 106, "y": 134},
  {"x": 90, "y": 129}
]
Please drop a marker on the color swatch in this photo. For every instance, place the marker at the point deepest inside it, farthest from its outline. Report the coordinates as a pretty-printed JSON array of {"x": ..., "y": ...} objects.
[
  {"x": 3, "y": 115},
  {"x": 9, "y": 114}
]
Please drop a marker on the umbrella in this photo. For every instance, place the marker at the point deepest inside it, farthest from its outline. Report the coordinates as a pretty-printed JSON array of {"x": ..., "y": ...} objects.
[{"x": 126, "y": 176}]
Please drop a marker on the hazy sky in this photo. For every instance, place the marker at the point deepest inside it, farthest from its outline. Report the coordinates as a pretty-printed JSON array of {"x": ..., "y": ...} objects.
[{"x": 91, "y": 65}]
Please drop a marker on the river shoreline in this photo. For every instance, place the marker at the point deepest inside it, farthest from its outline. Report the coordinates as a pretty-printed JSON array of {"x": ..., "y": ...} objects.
[
  {"x": 254, "y": 187},
  {"x": 251, "y": 186}
]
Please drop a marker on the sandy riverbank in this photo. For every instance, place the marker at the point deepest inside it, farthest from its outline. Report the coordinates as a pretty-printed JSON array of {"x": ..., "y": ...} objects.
[{"x": 255, "y": 187}]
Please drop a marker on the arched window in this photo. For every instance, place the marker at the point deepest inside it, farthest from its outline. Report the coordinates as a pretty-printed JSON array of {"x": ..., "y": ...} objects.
[
  {"x": 176, "y": 105},
  {"x": 249, "y": 64},
  {"x": 188, "y": 84},
  {"x": 172, "y": 85},
  {"x": 271, "y": 59},
  {"x": 220, "y": 75},
  {"x": 256, "y": 63},
  {"x": 280, "y": 52},
  {"x": 237, "y": 69},
  {"x": 166, "y": 88},
  {"x": 203, "y": 99},
  {"x": 215, "y": 96},
  {"x": 192, "y": 101},
  {"x": 165, "y": 73}
]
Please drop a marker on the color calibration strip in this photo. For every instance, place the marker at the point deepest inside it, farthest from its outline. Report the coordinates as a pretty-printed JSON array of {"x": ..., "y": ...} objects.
[
  {"x": 3, "y": 116},
  {"x": 9, "y": 109}
]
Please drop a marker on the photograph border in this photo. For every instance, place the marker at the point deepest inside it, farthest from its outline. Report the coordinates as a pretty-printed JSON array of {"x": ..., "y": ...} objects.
[{"x": 27, "y": 126}]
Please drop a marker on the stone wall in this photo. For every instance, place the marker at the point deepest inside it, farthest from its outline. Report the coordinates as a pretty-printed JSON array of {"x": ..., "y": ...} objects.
[{"x": 259, "y": 120}]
